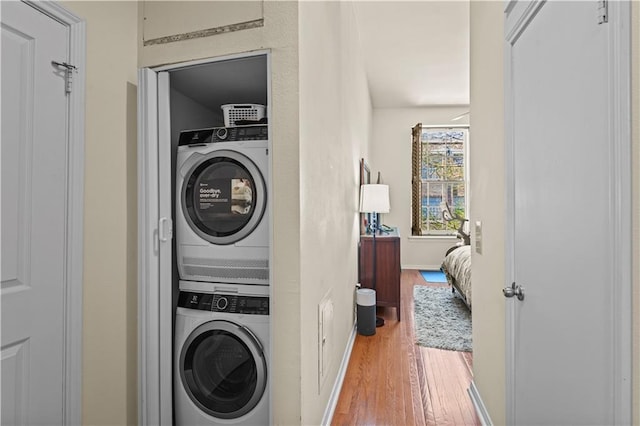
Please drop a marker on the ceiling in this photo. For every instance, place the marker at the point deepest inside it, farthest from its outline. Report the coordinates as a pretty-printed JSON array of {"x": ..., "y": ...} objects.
[{"x": 416, "y": 52}]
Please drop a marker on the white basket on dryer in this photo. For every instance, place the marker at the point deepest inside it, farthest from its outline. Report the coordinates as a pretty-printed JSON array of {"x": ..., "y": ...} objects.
[{"x": 237, "y": 112}]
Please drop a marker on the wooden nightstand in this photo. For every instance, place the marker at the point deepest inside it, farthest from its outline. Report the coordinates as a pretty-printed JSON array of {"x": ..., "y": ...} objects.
[{"x": 387, "y": 267}]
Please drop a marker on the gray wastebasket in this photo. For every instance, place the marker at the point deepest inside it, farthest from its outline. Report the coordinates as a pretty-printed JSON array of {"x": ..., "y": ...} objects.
[{"x": 366, "y": 311}]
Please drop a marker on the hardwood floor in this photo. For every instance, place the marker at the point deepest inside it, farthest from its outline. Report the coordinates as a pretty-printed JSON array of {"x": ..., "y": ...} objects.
[{"x": 392, "y": 381}]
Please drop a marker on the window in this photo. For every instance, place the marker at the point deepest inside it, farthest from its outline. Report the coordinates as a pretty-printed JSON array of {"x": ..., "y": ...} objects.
[{"x": 439, "y": 173}]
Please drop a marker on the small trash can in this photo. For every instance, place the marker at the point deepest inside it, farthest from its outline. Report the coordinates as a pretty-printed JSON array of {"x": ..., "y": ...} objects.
[{"x": 366, "y": 311}]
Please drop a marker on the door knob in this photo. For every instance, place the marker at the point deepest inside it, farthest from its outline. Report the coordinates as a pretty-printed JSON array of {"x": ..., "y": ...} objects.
[{"x": 514, "y": 290}]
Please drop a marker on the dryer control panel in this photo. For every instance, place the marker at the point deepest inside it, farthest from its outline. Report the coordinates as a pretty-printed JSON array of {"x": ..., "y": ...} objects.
[
  {"x": 227, "y": 303},
  {"x": 254, "y": 132}
]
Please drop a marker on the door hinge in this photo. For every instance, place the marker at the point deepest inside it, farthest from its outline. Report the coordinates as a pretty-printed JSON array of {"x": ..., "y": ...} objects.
[
  {"x": 68, "y": 70},
  {"x": 603, "y": 11}
]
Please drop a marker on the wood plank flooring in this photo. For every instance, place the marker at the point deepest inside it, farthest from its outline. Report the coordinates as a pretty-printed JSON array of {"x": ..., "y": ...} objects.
[{"x": 392, "y": 381}]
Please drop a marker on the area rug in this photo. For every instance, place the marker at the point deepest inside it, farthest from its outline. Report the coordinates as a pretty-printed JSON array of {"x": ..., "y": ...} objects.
[
  {"x": 434, "y": 276},
  {"x": 441, "y": 319}
]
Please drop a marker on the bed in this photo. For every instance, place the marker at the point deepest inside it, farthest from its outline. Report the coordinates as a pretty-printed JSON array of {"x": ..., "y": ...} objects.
[{"x": 457, "y": 268}]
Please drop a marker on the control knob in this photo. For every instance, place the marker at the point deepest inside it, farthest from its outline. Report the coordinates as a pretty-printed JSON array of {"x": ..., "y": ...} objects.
[
  {"x": 222, "y": 133},
  {"x": 222, "y": 303}
]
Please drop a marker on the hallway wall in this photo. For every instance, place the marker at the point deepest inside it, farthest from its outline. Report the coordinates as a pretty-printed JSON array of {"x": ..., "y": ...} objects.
[
  {"x": 109, "y": 373},
  {"x": 335, "y": 131},
  {"x": 487, "y": 203}
]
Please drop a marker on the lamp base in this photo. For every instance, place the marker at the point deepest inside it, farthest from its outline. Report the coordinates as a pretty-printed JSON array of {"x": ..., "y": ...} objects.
[{"x": 379, "y": 321}]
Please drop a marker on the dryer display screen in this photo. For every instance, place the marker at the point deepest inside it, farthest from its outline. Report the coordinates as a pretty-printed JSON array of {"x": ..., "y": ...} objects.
[{"x": 225, "y": 196}]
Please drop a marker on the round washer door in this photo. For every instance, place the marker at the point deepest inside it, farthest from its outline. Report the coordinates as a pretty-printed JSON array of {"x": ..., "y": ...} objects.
[
  {"x": 223, "y": 197},
  {"x": 223, "y": 369}
]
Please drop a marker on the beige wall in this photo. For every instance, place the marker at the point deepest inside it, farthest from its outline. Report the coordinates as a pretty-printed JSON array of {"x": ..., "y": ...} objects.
[
  {"x": 487, "y": 203},
  {"x": 391, "y": 156},
  {"x": 109, "y": 382},
  {"x": 170, "y": 18},
  {"x": 335, "y": 120}
]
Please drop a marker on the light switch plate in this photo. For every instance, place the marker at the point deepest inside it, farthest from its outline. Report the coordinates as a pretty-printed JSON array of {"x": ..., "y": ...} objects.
[{"x": 478, "y": 239}]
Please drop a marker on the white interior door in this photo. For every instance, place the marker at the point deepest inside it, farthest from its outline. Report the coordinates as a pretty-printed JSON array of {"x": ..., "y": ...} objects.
[
  {"x": 569, "y": 359},
  {"x": 34, "y": 201}
]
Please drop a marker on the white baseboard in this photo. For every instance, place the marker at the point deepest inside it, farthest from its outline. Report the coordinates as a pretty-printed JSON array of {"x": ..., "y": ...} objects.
[
  {"x": 422, "y": 267},
  {"x": 481, "y": 410},
  {"x": 337, "y": 386}
]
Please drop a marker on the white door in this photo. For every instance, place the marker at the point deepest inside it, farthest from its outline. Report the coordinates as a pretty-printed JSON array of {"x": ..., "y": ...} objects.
[
  {"x": 568, "y": 343},
  {"x": 34, "y": 200}
]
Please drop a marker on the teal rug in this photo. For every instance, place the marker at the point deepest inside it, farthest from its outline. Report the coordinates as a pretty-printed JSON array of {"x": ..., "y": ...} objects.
[{"x": 434, "y": 276}]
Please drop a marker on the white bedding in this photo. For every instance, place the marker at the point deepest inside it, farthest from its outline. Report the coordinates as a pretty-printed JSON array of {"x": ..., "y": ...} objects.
[{"x": 457, "y": 268}]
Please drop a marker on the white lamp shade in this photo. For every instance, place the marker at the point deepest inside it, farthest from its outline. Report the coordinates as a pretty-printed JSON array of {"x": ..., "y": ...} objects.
[{"x": 374, "y": 198}]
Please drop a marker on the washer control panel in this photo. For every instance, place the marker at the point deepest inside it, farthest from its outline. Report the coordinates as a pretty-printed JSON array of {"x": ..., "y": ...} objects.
[{"x": 227, "y": 303}]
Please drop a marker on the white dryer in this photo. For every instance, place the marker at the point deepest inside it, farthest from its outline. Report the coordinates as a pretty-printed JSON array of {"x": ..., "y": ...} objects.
[
  {"x": 221, "y": 353},
  {"x": 222, "y": 220}
]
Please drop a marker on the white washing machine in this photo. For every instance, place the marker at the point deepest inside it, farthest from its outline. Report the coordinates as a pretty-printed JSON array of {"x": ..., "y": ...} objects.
[
  {"x": 221, "y": 357},
  {"x": 222, "y": 220}
]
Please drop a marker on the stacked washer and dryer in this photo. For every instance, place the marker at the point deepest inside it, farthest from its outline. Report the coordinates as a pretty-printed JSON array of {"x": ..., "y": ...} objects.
[{"x": 221, "y": 351}]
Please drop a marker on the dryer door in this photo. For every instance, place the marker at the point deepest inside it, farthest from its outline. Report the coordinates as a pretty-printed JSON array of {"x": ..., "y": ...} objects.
[
  {"x": 223, "y": 369},
  {"x": 223, "y": 197}
]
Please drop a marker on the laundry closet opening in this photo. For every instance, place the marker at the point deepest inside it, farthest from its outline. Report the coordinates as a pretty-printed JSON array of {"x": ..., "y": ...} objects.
[{"x": 207, "y": 133}]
